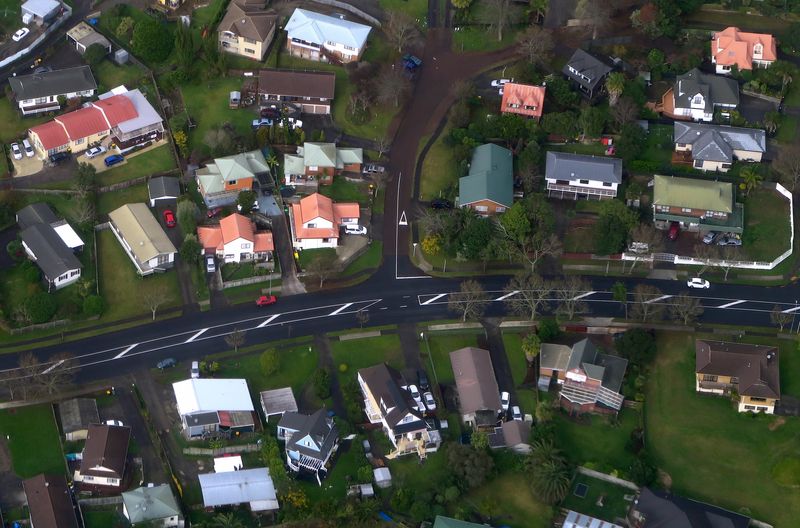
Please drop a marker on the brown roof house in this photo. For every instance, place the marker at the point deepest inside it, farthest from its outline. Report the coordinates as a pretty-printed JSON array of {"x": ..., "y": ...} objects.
[
  {"x": 247, "y": 29},
  {"x": 478, "y": 395},
  {"x": 750, "y": 370},
  {"x": 76, "y": 415},
  {"x": 50, "y": 502},
  {"x": 512, "y": 434},
  {"x": 104, "y": 456},
  {"x": 310, "y": 91}
]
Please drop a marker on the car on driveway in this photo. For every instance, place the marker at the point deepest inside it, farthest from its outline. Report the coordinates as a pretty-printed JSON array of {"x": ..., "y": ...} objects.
[
  {"x": 710, "y": 237},
  {"x": 58, "y": 157},
  {"x": 372, "y": 168},
  {"x": 114, "y": 159},
  {"x": 497, "y": 83},
  {"x": 95, "y": 151},
  {"x": 505, "y": 400},
  {"x": 262, "y": 122},
  {"x": 674, "y": 230},
  {"x": 20, "y": 34},
  {"x": 729, "y": 240},
  {"x": 169, "y": 218},
  {"x": 355, "y": 230},
  {"x": 15, "y": 150},
  {"x": 697, "y": 282},
  {"x": 118, "y": 423},
  {"x": 214, "y": 211},
  {"x": 516, "y": 414},
  {"x": 441, "y": 203},
  {"x": 422, "y": 376},
  {"x": 430, "y": 402},
  {"x": 26, "y": 146},
  {"x": 266, "y": 300},
  {"x": 166, "y": 363},
  {"x": 211, "y": 266}
]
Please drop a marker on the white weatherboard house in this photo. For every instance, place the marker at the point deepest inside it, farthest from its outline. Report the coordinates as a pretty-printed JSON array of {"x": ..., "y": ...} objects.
[
  {"x": 142, "y": 238},
  {"x": 246, "y": 486},
  {"x": 207, "y": 406},
  {"x": 319, "y": 37},
  {"x": 40, "y": 92},
  {"x": 579, "y": 176}
]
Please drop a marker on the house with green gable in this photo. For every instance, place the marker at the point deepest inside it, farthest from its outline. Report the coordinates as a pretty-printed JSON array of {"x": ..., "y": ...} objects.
[
  {"x": 317, "y": 163},
  {"x": 152, "y": 506},
  {"x": 696, "y": 205},
  {"x": 488, "y": 189}
]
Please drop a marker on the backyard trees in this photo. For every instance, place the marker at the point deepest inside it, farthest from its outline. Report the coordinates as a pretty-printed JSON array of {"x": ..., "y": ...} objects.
[
  {"x": 645, "y": 305},
  {"x": 613, "y": 225},
  {"x": 631, "y": 142},
  {"x": 569, "y": 293},
  {"x": 270, "y": 361},
  {"x": 592, "y": 121},
  {"x": 771, "y": 121},
  {"x": 550, "y": 474},
  {"x": 625, "y": 111},
  {"x": 685, "y": 308},
  {"x": 536, "y": 45},
  {"x": 498, "y": 15},
  {"x": 401, "y": 30},
  {"x": 531, "y": 346},
  {"x": 615, "y": 84},
  {"x": 637, "y": 346},
  {"x": 787, "y": 164},
  {"x": 188, "y": 213},
  {"x": 532, "y": 294},
  {"x": 95, "y": 54},
  {"x": 751, "y": 178},
  {"x": 470, "y": 302},
  {"x": 471, "y": 466},
  {"x": 85, "y": 178},
  {"x": 561, "y": 124},
  {"x": 561, "y": 92},
  {"x": 186, "y": 48},
  {"x": 528, "y": 226},
  {"x": 152, "y": 41},
  {"x": 235, "y": 339}
]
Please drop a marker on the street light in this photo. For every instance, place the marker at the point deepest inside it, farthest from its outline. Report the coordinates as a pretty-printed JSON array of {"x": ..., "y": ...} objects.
[{"x": 414, "y": 254}]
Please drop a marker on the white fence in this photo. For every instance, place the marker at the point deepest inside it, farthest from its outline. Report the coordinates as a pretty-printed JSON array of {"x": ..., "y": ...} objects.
[
  {"x": 739, "y": 264},
  {"x": 54, "y": 26}
]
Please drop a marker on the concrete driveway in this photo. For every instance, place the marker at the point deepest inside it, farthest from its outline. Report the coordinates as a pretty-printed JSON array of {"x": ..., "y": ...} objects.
[
  {"x": 26, "y": 166},
  {"x": 754, "y": 108}
]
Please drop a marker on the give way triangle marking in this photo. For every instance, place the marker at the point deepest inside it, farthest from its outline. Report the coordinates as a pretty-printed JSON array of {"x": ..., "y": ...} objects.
[{"x": 403, "y": 220}]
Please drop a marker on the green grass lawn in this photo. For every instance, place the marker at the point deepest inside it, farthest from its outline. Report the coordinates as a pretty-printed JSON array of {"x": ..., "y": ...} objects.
[
  {"x": 793, "y": 96},
  {"x": 34, "y": 440},
  {"x": 109, "y": 201},
  {"x": 342, "y": 190},
  {"x": 9, "y": 15},
  {"x": 659, "y": 145},
  {"x": 343, "y": 474},
  {"x": 204, "y": 16},
  {"x": 207, "y": 105},
  {"x": 102, "y": 517},
  {"x": 614, "y": 503},
  {"x": 767, "y": 230},
  {"x": 511, "y": 502},
  {"x": 596, "y": 441},
  {"x": 371, "y": 259},
  {"x": 110, "y": 75},
  {"x": 155, "y": 161},
  {"x": 787, "y": 131},
  {"x": 478, "y": 39},
  {"x": 362, "y": 353},
  {"x": 297, "y": 366},
  {"x": 440, "y": 347},
  {"x": 592, "y": 149},
  {"x": 307, "y": 255},
  {"x": 439, "y": 170},
  {"x": 720, "y": 20},
  {"x": 708, "y": 449},
  {"x": 580, "y": 239},
  {"x": 12, "y": 125},
  {"x": 417, "y": 9},
  {"x": 235, "y": 271}
]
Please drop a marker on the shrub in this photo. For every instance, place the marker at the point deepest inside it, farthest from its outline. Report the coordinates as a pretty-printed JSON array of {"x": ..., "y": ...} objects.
[
  {"x": 30, "y": 273},
  {"x": 270, "y": 361},
  {"x": 41, "y": 307},
  {"x": 322, "y": 384},
  {"x": 365, "y": 474},
  {"x": 95, "y": 54},
  {"x": 548, "y": 330},
  {"x": 343, "y": 367},
  {"x": 93, "y": 305},
  {"x": 152, "y": 42},
  {"x": 15, "y": 250}
]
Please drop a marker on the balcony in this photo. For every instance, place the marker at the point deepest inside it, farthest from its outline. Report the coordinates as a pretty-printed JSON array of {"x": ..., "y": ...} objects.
[{"x": 574, "y": 191}]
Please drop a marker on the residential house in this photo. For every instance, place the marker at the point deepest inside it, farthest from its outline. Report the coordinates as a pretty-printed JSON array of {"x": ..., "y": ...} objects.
[
  {"x": 752, "y": 371},
  {"x": 209, "y": 406},
  {"x": 163, "y": 190},
  {"x": 488, "y": 188},
  {"x": 253, "y": 487},
  {"x": 50, "y": 502},
  {"x": 590, "y": 381},
  {"x": 580, "y": 176},
  {"x": 142, "y": 238},
  {"x": 235, "y": 239},
  {"x": 587, "y": 72},
  {"x": 221, "y": 182},
  {"x": 523, "y": 99},
  {"x": 478, "y": 395},
  {"x": 310, "y": 91},
  {"x": 317, "y": 163},
  {"x": 276, "y": 402},
  {"x": 324, "y": 38},
  {"x": 51, "y": 243},
  {"x": 388, "y": 402},
  {"x": 105, "y": 456},
  {"x": 715, "y": 147},
  {"x": 40, "y": 12},
  {"x": 153, "y": 506},
  {"x": 247, "y": 29},
  {"x": 122, "y": 117},
  {"x": 734, "y": 47},
  {"x": 310, "y": 440},
  {"x": 696, "y": 205},
  {"x": 696, "y": 95},
  {"x": 574, "y": 519},
  {"x": 76, "y": 415},
  {"x": 512, "y": 434},
  {"x": 44, "y": 92},
  {"x": 315, "y": 221},
  {"x": 83, "y": 36},
  {"x": 656, "y": 509}
]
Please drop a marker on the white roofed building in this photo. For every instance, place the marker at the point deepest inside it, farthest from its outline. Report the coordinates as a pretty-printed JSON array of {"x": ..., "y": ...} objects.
[
  {"x": 208, "y": 407},
  {"x": 248, "y": 486},
  {"x": 324, "y": 38}
]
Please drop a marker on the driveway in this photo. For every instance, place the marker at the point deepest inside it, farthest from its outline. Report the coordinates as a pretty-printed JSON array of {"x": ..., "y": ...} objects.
[
  {"x": 497, "y": 351},
  {"x": 290, "y": 285},
  {"x": 753, "y": 108}
]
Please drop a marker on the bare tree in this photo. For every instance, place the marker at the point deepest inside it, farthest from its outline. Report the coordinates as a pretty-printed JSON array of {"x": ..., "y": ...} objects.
[
  {"x": 541, "y": 247},
  {"x": 645, "y": 240},
  {"x": 787, "y": 164},
  {"x": 470, "y": 302},
  {"x": 645, "y": 306},
  {"x": 728, "y": 256},
  {"x": 401, "y": 30},
  {"x": 685, "y": 308},
  {"x": 779, "y": 317},
  {"x": 431, "y": 222},
  {"x": 323, "y": 267},
  {"x": 596, "y": 12},
  {"x": 391, "y": 86},
  {"x": 235, "y": 339},
  {"x": 359, "y": 102},
  {"x": 532, "y": 292},
  {"x": 570, "y": 293},
  {"x": 22, "y": 378},
  {"x": 706, "y": 253},
  {"x": 383, "y": 144},
  {"x": 625, "y": 111},
  {"x": 59, "y": 372},
  {"x": 536, "y": 45},
  {"x": 498, "y": 15},
  {"x": 153, "y": 295},
  {"x": 83, "y": 213}
]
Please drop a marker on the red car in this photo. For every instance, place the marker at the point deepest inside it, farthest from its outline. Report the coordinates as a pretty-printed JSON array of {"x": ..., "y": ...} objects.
[
  {"x": 169, "y": 218},
  {"x": 266, "y": 300},
  {"x": 674, "y": 230}
]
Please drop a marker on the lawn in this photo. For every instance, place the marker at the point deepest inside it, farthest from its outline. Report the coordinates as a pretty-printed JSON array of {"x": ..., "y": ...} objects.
[
  {"x": 207, "y": 105},
  {"x": 110, "y": 75},
  {"x": 659, "y": 145},
  {"x": 371, "y": 259},
  {"x": 593, "y": 149},
  {"x": 596, "y": 441},
  {"x": 439, "y": 171},
  {"x": 102, "y": 517},
  {"x": 512, "y": 504},
  {"x": 12, "y": 125},
  {"x": 33, "y": 440},
  {"x": 720, "y": 20},
  {"x": 343, "y": 474},
  {"x": 296, "y": 367},
  {"x": 155, "y": 161},
  {"x": 417, "y": 9},
  {"x": 119, "y": 281},
  {"x": 203, "y": 16},
  {"x": 9, "y": 15},
  {"x": 440, "y": 346},
  {"x": 614, "y": 504},
  {"x": 342, "y": 190},
  {"x": 787, "y": 131},
  {"x": 307, "y": 255},
  {"x": 362, "y": 353},
  {"x": 580, "y": 239},
  {"x": 109, "y": 201},
  {"x": 767, "y": 230},
  {"x": 478, "y": 39}
]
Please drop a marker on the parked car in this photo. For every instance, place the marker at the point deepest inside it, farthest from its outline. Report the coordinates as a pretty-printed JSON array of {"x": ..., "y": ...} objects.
[
  {"x": 26, "y": 146},
  {"x": 505, "y": 400},
  {"x": 214, "y": 211},
  {"x": 43, "y": 69},
  {"x": 169, "y": 218},
  {"x": 355, "y": 230},
  {"x": 166, "y": 363},
  {"x": 415, "y": 394},
  {"x": 423, "y": 380},
  {"x": 371, "y": 168},
  {"x": 698, "y": 282},
  {"x": 430, "y": 402},
  {"x": 266, "y": 300},
  {"x": 270, "y": 113},
  {"x": 516, "y": 414},
  {"x": 262, "y": 122},
  {"x": 729, "y": 240},
  {"x": 118, "y": 423},
  {"x": 17, "y": 153},
  {"x": 710, "y": 237},
  {"x": 114, "y": 159},
  {"x": 58, "y": 157},
  {"x": 95, "y": 151},
  {"x": 255, "y": 206},
  {"x": 211, "y": 265},
  {"x": 20, "y": 34},
  {"x": 497, "y": 83},
  {"x": 411, "y": 62},
  {"x": 195, "y": 371},
  {"x": 441, "y": 203},
  {"x": 674, "y": 230}
]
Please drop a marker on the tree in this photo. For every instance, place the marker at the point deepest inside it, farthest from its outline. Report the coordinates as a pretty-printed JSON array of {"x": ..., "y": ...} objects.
[
  {"x": 59, "y": 372},
  {"x": 531, "y": 346},
  {"x": 153, "y": 295},
  {"x": 322, "y": 383},
  {"x": 549, "y": 472},
  {"x": 461, "y": 4},
  {"x": 772, "y": 121},
  {"x": 402, "y": 30},
  {"x": 246, "y": 201},
  {"x": 479, "y": 440},
  {"x": 625, "y": 111},
  {"x": 188, "y": 213},
  {"x": 85, "y": 178},
  {"x": 645, "y": 306},
  {"x": 270, "y": 361},
  {"x": 706, "y": 253},
  {"x": 531, "y": 297},
  {"x": 779, "y": 317},
  {"x": 596, "y": 12},
  {"x": 124, "y": 28},
  {"x": 185, "y": 51},
  {"x": 536, "y": 45},
  {"x": 323, "y": 267},
  {"x": 191, "y": 249},
  {"x": 645, "y": 20},
  {"x": 592, "y": 121},
  {"x": 620, "y": 294},
  {"x": 84, "y": 212},
  {"x": 392, "y": 86},
  {"x": 15, "y": 250},
  {"x": 92, "y": 305},
  {"x": 613, "y": 225},
  {"x": 20, "y": 381},
  {"x": 235, "y": 339},
  {"x": 645, "y": 239},
  {"x": 471, "y": 467},
  {"x": 41, "y": 307},
  {"x": 569, "y": 293},
  {"x": 637, "y": 346},
  {"x": 615, "y": 84},
  {"x": 95, "y": 54},
  {"x": 470, "y": 302},
  {"x": 631, "y": 142},
  {"x": 561, "y": 124},
  {"x": 728, "y": 255},
  {"x": 787, "y": 164},
  {"x": 226, "y": 520},
  {"x": 498, "y": 15},
  {"x": 685, "y": 308},
  {"x": 751, "y": 178},
  {"x": 152, "y": 42}
]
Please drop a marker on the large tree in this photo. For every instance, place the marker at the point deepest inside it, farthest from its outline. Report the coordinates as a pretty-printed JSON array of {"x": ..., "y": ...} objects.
[
  {"x": 152, "y": 295},
  {"x": 615, "y": 84},
  {"x": 58, "y": 373},
  {"x": 536, "y": 45},
  {"x": 637, "y": 346},
  {"x": 597, "y": 13},
  {"x": 152, "y": 41},
  {"x": 625, "y": 111},
  {"x": 548, "y": 471},
  {"x": 779, "y": 317},
  {"x": 471, "y": 467},
  {"x": 498, "y": 15},
  {"x": 570, "y": 293},
  {"x": 323, "y": 267},
  {"x": 685, "y": 308},
  {"x": 613, "y": 225},
  {"x": 235, "y": 339},
  {"x": 470, "y": 301},
  {"x": 787, "y": 164},
  {"x": 532, "y": 292},
  {"x": 402, "y": 30},
  {"x": 646, "y": 306}
]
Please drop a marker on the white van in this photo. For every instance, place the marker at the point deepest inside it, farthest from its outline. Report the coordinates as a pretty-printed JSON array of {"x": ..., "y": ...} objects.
[{"x": 195, "y": 369}]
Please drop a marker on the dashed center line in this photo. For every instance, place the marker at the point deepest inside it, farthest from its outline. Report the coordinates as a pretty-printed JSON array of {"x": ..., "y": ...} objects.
[
  {"x": 790, "y": 310},
  {"x": 198, "y": 334},
  {"x": 581, "y": 296},
  {"x": 126, "y": 351},
  {"x": 506, "y": 296},
  {"x": 340, "y": 309},
  {"x": 728, "y": 305},
  {"x": 51, "y": 367},
  {"x": 268, "y": 320}
]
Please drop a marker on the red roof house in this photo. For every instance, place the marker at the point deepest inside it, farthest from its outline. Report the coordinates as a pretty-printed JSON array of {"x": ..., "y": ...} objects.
[
  {"x": 745, "y": 50},
  {"x": 523, "y": 99},
  {"x": 235, "y": 239},
  {"x": 316, "y": 221}
]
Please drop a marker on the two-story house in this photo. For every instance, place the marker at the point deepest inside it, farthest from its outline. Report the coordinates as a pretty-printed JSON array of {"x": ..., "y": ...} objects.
[
  {"x": 247, "y": 29},
  {"x": 526, "y": 100},
  {"x": 696, "y": 205},
  {"x": 488, "y": 188},
  {"x": 581, "y": 176},
  {"x": 221, "y": 182},
  {"x": 715, "y": 147},
  {"x": 324, "y": 38},
  {"x": 696, "y": 95},
  {"x": 734, "y": 47},
  {"x": 310, "y": 441},
  {"x": 142, "y": 238},
  {"x": 587, "y": 72},
  {"x": 46, "y": 91},
  {"x": 318, "y": 163},
  {"x": 316, "y": 220},
  {"x": 753, "y": 371},
  {"x": 590, "y": 381},
  {"x": 310, "y": 91},
  {"x": 388, "y": 402},
  {"x": 235, "y": 239},
  {"x": 478, "y": 395},
  {"x": 105, "y": 456}
]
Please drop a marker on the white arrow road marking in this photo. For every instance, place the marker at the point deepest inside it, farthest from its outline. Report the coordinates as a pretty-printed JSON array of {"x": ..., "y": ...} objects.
[
  {"x": 403, "y": 220},
  {"x": 268, "y": 321},
  {"x": 581, "y": 296},
  {"x": 198, "y": 334},
  {"x": 340, "y": 309},
  {"x": 51, "y": 367},
  {"x": 506, "y": 296},
  {"x": 658, "y": 299},
  {"x": 126, "y": 351},
  {"x": 728, "y": 305},
  {"x": 790, "y": 310},
  {"x": 434, "y": 298}
]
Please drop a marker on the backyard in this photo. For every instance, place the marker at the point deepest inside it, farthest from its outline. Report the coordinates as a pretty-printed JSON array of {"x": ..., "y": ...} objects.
[
  {"x": 708, "y": 449},
  {"x": 155, "y": 161},
  {"x": 767, "y": 230},
  {"x": 510, "y": 502},
  {"x": 110, "y": 75},
  {"x": 108, "y": 201},
  {"x": 207, "y": 105},
  {"x": 519, "y": 369},
  {"x": 586, "y": 494},
  {"x": 597, "y": 441},
  {"x": 12, "y": 125},
  {"x": 33, "y": 440},
  {"x": 342, "y": 190}
]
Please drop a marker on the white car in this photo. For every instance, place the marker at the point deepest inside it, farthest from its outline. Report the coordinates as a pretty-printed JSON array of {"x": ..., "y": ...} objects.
[
  {"x": 430, "y": 402},
  {"x": 355, "y": 230},
  {"x": 500, "y": 91},
  {"x": 20, "y": 34},
  {"x": 293, "y": 123},
  {"x": 417, "y": 397},
  {"x": 95, "y": 151},
  {"x": 697, "y": 282},
  {"x": 211, "y": 266},
  {"x": 505, "y": 399},
  {"x": 26, "y": 146},
  {"x": 195, "y": 372},
  {"x": 497, "y": 83},
  {"x": 118, "y": 423},
  {"x": 15, "y": 151},
  {"x": 516, "y": 414}
]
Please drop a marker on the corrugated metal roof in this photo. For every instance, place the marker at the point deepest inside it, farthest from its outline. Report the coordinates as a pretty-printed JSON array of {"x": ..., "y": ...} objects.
[
  {"x": 693, "y": 194},
  {"x": 490, "y": 177},
  {"x": 319, "y": 29}
]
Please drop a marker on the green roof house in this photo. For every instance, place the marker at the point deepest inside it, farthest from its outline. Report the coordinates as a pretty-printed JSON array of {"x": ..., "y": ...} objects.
[
  {"x": 221, "y": 181},
  {"x": 155, "y": 506},
  {"x": 489, "y": 187},
  {"x": 696, "y": 205},
  {"x": 317, "y": 163}
]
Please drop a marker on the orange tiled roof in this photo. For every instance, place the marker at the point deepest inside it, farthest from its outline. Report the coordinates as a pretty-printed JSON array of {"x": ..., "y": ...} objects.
[
  {"x": 732, "y": 46},
  {"x": 210, "y": 237},
  {"x": 319, "y": 206},
  {"x": 214, "y": 238},
  {"x": 523, "y": 95},
  {"x": 236, "y": 226},
  {"x": 263, "y": 242}
]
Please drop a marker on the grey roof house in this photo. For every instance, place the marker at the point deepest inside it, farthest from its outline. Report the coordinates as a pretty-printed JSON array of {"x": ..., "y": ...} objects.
[
  {"x": 512, "y": 434},
  {"x": 587, "y": 72},
  {"x": 478, "y": 394},
  {"x": 654, "y": 509},
  {"x": 40, "y": 92},
  {"x": 696, "y": 95},
  {"x": 580, "y": 176},
  {"x": 253, "y": 487},
  {"x": 76, "y": 415},
  {"x": 488, "y": 188},
  {"x": 715, "y": 147},
  {"x": 163, "y": 190},
  {"x": 310, "y": 440},
  {"x": 154, "y": 505}
]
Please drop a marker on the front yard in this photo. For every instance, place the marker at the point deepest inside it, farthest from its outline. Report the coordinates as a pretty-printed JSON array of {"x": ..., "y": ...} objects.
[
  {"x": 440, "y": 346},
  {"x": 353, "y": 355},
  {"x": 767, "y": 230},
  {"x": 157, "y": 160},
  {"x": 342, "y": 190},
  {"x": 33, "y": 440},
  {"x": 439, "y": 171}
]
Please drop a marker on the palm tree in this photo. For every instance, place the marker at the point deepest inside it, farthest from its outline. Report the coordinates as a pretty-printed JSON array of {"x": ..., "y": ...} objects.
[
  {"x": 615, "y": 84},
  {"x": 752, "y": 179},
  {"x": 225, "y": 520},
  {"x": 272, "y": 160},
  {"x": 771, "y": 122},
  {"x": 550, "y": 480}
]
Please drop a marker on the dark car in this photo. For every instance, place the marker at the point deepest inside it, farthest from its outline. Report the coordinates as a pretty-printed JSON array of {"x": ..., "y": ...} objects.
[
  {"x": 166, "y": 363},
  {"x": 441, "y": 203},
  {"x": 270, "y": 113},
  {"x": 114, "y": 159},
  {"x": 214, "y": 211},
  {"x": 411, "y": 62},
  {"x": 424, "y": 385},
  {"x": 58, "y": 157}
]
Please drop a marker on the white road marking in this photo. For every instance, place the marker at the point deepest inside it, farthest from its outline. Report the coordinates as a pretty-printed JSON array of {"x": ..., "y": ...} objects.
[
  {"x": 268, "y": 321},
  {"x": 126, "y": 351},
  {"x": 198, "y": 334},
  {"x": 434, "y": 298},
  {"x": 661, "y": 298},
  {"x": 384, "y": 307},
  {"x": 728, "y": 305},
  {"x": 506, "y": 296},
  {"x": 581, "y": 296},
  {"x": 403, "y": 220},
  {"x": 53, "y": 366},
  {"x": 790, "y": 310},
  {"x": 340, "y": 309},
  {"x": 403, "y": 306}
]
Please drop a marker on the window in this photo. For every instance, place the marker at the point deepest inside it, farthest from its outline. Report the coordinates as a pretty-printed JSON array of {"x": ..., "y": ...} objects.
[
  {"x": 245, "y": 246},
  {"x": 313, "y": 167},
  {"x": 681, "y": 145},
  {"x": 80, "y": 141},
  {"x": 250, "y": 51},
  {"x": 311, "y": 225},
  {"x": 758, "y": 49},
  {"x": 111, "y": 481},
  {"x": 734, "y": 380},
  {"x": 697, "y": 100},
  {"x": 74, "y": 272},
  {"x": 753, "y": 398},
  {"x": 686, "y": 210},
  {"x": 710, "y": 377},
  {"x": 584, "y": 182},
  {"x": 606, "y": 184},
  {"x": 163, "y": 259},
  {"x": 500, "y": 209},
  {"x": 231, "y": 182},
  {"x": 306, "y": 98},
  {"x": 749, "y": 408},
  {"x": 349, "y": 48},
  {"x": 325, "y": 240},
  {"x": 41, "y": 100},
  {"x": 531, "y": 107},
  {"x": 481, "y": 208}
]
